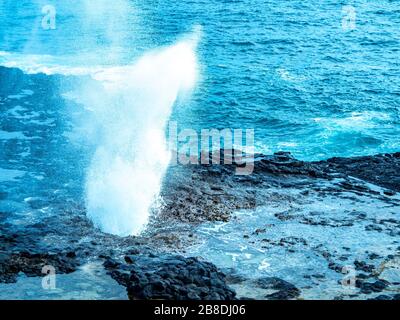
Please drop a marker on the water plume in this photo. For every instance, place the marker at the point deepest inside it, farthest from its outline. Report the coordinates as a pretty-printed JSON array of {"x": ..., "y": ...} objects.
[{"x": 132, "y": 110}]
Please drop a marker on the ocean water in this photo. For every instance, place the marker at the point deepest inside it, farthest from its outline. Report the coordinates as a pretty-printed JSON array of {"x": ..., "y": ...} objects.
[
  {"x": 289, "y": 70},
  {"x": 84, "y": 106}
]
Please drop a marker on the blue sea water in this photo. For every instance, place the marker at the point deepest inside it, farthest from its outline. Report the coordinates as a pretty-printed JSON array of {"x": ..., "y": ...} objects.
[{"x": 287, "y": 69}]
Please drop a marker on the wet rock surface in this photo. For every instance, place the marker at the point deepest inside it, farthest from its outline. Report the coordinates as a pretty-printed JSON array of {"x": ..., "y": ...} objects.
[
  {"x": 382, "y": 170},
  {"x": 169, "y": 277},
  {"x": 355, "y": 201},
  {"x": 149, "y": 267},
  {"x": 284, "y": 289},
  {"x": 32, "y": 264},
  {"x": 196, "y": 193}
]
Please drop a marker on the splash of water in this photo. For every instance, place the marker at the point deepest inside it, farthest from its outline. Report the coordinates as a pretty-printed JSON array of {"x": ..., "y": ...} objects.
[
  {"x": 130, "y": 106},
  {"x": 132, "y": 110}
]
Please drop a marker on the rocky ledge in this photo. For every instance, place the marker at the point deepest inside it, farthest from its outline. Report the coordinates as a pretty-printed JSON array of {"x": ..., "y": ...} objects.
[
  {"x": 197, "y": 193},
  {"x": 150, "y": 268},
  {"x": 166, "y": 276}
]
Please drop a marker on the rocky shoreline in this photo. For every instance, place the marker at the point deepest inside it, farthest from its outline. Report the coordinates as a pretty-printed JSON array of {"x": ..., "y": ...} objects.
[
  {"x": 212, "y": 192},
  {"x": 156, "y": 266}
]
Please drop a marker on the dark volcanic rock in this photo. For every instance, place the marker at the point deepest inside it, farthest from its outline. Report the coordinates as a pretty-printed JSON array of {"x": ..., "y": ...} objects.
[
  {"x": 284, "y": 289},
  {"x": 196, "y": 193},
  {"x": 32, "y": 264},
  {"x": 369, "y": 287},
  {"x": 170, "y": 277},
  {"x": 382, "y": 297},
  {"x": 382, "y": 169},
  {"x": 362, "y": 266}
]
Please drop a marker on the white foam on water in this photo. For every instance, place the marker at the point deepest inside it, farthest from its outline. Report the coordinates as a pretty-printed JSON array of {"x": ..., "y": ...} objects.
[
  {"x": 356, "y": 121},
  {"x": 49, "y": 65}
]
